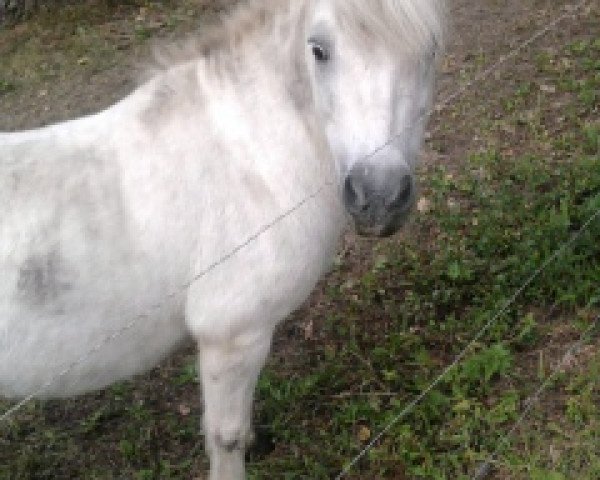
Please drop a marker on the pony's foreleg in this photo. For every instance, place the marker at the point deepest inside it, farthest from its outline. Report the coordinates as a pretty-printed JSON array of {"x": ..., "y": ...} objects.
[{"x": 229, "y": 370}]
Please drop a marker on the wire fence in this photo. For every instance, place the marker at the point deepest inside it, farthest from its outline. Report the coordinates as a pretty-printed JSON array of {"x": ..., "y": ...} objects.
[
  {"x": 473, "y": 342},
  {"x": 485, "y": 467}
]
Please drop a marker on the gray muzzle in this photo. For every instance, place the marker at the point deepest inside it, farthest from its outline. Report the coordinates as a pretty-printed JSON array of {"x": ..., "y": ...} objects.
[{"x": 379, "y": 198}]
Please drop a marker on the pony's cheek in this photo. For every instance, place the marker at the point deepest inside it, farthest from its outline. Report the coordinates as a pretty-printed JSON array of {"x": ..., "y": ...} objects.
[{"x": 338, "y": 149}]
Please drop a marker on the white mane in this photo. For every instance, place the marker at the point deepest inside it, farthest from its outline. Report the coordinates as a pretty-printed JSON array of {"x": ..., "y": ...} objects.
[
  {"x": 403, "y": 25},
  {"x": 408, "y": 26}
]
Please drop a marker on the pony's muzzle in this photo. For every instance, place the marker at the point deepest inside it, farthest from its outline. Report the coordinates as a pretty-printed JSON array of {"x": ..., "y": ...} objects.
[{"x": 379, "y": 198}]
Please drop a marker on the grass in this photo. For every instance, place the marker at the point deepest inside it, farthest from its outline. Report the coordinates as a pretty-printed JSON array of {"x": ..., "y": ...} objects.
[
  {"x": 6, "y": 86},
  {"x": 384, "y": 329},
  {"x": 88, "y": 43}
]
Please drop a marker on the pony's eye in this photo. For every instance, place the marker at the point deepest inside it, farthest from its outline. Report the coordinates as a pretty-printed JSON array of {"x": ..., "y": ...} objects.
[{"x": 319, "y": 52}]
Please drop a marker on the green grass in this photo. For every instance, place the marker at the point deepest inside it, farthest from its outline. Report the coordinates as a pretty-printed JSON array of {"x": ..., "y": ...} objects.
[
  {"x": 385, "y": 330},
  {"x": 6, "y": 86}
]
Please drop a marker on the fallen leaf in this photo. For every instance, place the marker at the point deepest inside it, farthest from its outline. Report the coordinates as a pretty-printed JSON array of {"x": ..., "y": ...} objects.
[
  {"x": 364, "y": 433},
  {"x": 184, "y": 410}
]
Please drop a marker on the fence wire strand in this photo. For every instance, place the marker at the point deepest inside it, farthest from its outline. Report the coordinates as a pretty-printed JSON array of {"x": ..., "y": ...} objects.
[{"x": 485, "y": 468}]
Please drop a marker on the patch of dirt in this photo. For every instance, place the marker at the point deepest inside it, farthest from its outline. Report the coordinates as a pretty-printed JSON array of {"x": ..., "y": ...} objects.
[{"x": 89, "y": 57}]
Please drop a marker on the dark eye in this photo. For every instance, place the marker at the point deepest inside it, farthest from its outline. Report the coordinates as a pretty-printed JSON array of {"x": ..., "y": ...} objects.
[{"x": 320, "y": 53}]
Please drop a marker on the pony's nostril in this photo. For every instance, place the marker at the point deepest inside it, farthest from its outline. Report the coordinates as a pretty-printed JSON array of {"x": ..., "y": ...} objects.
[
  {"x": 354, "y": 195},
  {"x": 404, "y": 194}
]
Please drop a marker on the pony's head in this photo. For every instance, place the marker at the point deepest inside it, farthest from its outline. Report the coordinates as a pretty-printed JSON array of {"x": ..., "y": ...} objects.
[{"x": 371, "y": 64}]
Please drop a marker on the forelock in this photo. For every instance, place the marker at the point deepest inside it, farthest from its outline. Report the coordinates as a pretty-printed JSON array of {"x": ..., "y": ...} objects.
[{"x": 403, "y": 26}]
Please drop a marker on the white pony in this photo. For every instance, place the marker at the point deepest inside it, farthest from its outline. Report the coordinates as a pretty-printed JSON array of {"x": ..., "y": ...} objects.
[{"x": 105, "y": 219}]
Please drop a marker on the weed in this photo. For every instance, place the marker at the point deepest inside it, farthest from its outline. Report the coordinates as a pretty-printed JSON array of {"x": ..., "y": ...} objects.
[{"x": 6, "y": 86}]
